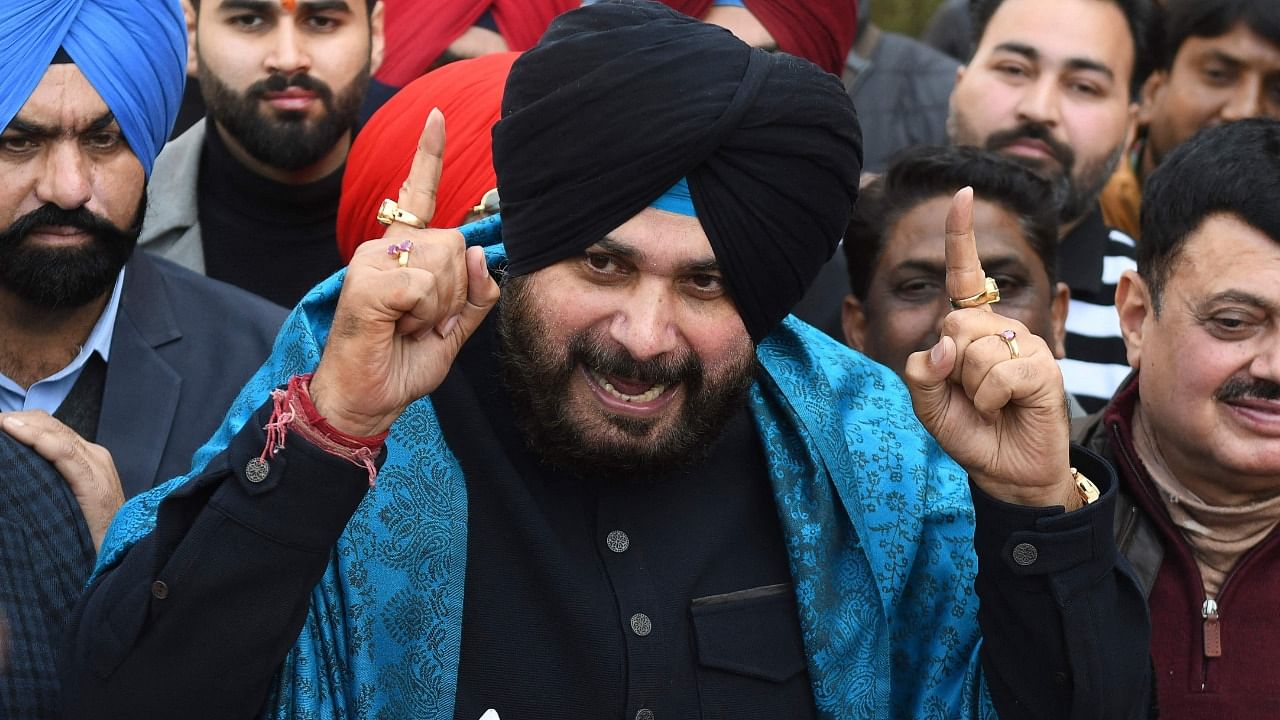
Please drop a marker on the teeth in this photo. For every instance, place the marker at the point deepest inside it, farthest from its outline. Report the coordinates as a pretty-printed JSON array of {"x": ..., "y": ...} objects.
[{"x": 647, "y": 396}]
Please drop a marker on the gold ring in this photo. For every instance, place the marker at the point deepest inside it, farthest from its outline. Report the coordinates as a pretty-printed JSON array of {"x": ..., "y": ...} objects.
[
  {"x": 990, "y": 294},
  {"x": 1010, "y": 338},
  {"x": 390, "y": 212},
  {"x": 401, "y": 252}
]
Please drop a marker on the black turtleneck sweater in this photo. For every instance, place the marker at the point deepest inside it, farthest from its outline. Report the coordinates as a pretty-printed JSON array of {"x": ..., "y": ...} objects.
[{"x": 269, "y": 238}]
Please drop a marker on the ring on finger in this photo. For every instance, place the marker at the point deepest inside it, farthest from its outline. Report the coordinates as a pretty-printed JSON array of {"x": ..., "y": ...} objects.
[
  {"x": 1010, "y": 339},
  {"x": 990, "y": 294},
  {"x": 390, "y": 212},
  {"x": 401, "y": 252}
]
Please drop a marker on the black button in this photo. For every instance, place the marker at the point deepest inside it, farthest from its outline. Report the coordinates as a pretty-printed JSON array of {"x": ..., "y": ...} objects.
[{"x": 159, "y": 590}]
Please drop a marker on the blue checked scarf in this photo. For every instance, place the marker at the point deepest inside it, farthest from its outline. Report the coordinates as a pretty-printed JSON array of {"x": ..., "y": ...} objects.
[{"x": 878, "y": 521}]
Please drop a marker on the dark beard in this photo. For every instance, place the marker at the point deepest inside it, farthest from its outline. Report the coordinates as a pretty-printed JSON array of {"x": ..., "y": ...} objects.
[
  {"x": 285, "y": 140},
  {"x": 537, "y": 375},
  {"x": 63, "y": 278}
]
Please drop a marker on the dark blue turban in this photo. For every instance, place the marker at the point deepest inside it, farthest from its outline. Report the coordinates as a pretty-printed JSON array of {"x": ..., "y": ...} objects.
[
  {"x": 620, "y": 100},
  {"x": 133, "y": 52}
]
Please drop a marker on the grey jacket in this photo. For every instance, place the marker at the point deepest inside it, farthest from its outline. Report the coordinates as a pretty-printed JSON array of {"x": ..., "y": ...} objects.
[{"x": 172, "y": 226}]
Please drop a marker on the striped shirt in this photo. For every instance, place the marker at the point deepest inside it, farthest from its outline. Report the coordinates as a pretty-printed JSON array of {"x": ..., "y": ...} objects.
[{"x": 1090, "y": 261}]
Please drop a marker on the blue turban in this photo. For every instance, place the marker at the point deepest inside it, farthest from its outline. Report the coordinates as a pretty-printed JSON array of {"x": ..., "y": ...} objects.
[{"x": 133, "y": 52}]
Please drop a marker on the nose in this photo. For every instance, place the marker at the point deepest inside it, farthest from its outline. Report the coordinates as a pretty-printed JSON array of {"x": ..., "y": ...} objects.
[
  {"x": 66, "y": 180},
  {"x": 1266, "y": 364},
  {"x": 1245, "y": 102},
  {"x": 646, "y": 325},
  {"x": 1039, "y": 101},
  {"x": 289, "y": 54}
]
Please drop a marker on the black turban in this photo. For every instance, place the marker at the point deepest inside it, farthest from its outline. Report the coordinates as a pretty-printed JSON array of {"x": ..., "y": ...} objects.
[{"x": 620, "y": 100}]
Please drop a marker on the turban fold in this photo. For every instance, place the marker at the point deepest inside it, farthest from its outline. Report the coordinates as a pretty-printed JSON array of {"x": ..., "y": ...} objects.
[
  {"x": 133, "y": 52},
  {"x": 469, "y": 93},
  {"x": 418, "y": 31},
  {"x": 622, "y": 99},
  {"x": 820, "y": 31}
]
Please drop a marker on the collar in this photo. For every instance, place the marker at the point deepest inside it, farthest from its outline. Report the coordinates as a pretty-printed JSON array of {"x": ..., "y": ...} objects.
[{"x": 1080, "y": 254}]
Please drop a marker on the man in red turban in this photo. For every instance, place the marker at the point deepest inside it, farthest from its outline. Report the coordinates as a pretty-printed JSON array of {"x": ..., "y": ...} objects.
[{"x": 820, "y": 31}]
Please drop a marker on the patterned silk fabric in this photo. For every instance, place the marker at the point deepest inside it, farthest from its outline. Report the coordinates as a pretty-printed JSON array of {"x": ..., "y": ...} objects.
[{"x": 878, "y": 520}]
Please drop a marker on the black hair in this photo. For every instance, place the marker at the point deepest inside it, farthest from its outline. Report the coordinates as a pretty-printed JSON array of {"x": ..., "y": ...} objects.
[
  {"x": 1232, "y": 168},
  {"x": 1182, "y": 19},
  {"x": 924, "y": 173},
  {"x": 1138, "y": 13}
]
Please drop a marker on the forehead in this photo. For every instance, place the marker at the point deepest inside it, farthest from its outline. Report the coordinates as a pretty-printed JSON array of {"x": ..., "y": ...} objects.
[
  {"x": 288, "y": 5},
  {"x": 1064, "y": 30},
  {"x": 64, "y": 98},
  {"x": 918, "y": 235},
  {"x": 1226, "y": 252},
  {"x": 664, "y": 240}
]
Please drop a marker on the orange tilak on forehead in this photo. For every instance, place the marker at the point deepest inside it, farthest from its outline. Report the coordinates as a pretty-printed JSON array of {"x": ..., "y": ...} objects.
[{"x": 289, "y": 5}]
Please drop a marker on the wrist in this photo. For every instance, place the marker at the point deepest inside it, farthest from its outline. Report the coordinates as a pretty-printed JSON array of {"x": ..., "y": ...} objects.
[{"x": 347, "y": 423}]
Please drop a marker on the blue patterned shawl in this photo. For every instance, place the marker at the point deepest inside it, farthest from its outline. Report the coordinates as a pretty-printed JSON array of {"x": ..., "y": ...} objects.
[{"x": 878, "y": 521}]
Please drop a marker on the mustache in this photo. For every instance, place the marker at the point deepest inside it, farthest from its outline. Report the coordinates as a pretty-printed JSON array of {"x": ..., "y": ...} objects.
[
  {"x": 1033, "y": 131},
  {"x": 52, "y": 215},
  {"x": 608, "y": 359},
  {"x": 279, "y": 82},
  {"x": 1240, "y": 388}
]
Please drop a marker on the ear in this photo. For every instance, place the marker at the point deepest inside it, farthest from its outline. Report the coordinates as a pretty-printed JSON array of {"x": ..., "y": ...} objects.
[
  {"x": 1133, "y": 304},
  {"x": 189, "y": 15},
  {"x": 1058, "y": 320},
  {"x": 854, "y": 322},
  {"x": 377, "y": 37},
  {"x": 1152, "y": 92}
]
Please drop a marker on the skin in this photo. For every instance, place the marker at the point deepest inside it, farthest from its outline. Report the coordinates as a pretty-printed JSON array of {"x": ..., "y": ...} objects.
[
  {"x": 244, "y": 41},
  {"x": 1219, "y": 318},
  {"x": 907, "y": 298},
  {"x": 653, "y": 287},
  {"x": 63, "y": 147},
  {"x": 396, "y": 331},
  {"x": 1213, "y": 80},
  {"x": 1065, "y": 64},
  {"x": 742, "y": 24}
]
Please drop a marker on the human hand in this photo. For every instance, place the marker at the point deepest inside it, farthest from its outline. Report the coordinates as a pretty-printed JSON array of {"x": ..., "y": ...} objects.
[
  {"x": 1003, "y": 418},
  {"x": 397, "y": 330},
  {"x": 87, "y": 467}
]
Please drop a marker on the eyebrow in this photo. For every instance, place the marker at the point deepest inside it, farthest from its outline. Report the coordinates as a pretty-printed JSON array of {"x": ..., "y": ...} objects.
[
  {"x": 998, "y": 263},
  {"x": 1224, "y": 58},
  {"x": 1245, "y": 298},
  {"x": 38, "y": 130},
  {"x": 628, "y": 252},
  {"x": 1075, "y": 63}
]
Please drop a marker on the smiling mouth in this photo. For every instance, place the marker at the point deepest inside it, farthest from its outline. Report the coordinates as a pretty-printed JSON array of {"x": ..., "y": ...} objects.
[{"x": 653, "y": 392}]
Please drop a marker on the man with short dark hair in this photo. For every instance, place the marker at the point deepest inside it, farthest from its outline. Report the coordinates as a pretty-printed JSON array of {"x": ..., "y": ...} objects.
[
  {"x": 1195, "y": 432},
  {"x": 250, "y": 195},
  {"x": 640, "y": 490},
  {"x": 1050, "y": 85},
  {"x": 1218, "y": 61},
  {"x": 896, "y": 263}
]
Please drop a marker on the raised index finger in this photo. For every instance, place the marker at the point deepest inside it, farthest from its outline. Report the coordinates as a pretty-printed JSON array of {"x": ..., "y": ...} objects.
[
  {"x": 965, "y": 277},
  {"x": 418, "y": 193}
]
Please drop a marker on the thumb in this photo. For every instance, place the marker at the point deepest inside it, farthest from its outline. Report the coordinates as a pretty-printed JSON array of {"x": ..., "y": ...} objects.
[
  {"x": 482, "y": 295},
  {"x": 926, "y": 376}
]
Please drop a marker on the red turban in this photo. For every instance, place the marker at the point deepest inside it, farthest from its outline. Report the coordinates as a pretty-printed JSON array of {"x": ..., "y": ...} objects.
[
  {"x": 418, "y": 31},
  {"x": 820, "y": 31},
  {"x": 469, "y": 93}
]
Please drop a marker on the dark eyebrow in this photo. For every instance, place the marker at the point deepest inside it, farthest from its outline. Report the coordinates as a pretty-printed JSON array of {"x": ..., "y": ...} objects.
[
  {"x": 1076, "y": 63},
  {"x": 629, "y": 253},
  {"x": 264, "y": 6},
  {"x": 1224, "y": 58},
  {"x": 1004, "y": 263},
  {"x": 44, "y": 132},
  {"x": 1244, "y": 298}
]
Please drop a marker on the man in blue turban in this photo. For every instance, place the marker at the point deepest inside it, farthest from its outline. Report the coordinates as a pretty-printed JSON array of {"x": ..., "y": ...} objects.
[
  {"x": 638, "y": 489},
  {"x": 104, "y": 353}
]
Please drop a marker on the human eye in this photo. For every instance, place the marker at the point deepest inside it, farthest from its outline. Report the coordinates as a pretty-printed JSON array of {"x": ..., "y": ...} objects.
[
  {"x": 918, "y": 290},
  {"x": 1012, "y": 70},
  {"x": 1230, "y": 324},
  {"x": 105, "y": 140},
  {"x": 322, "y": 23},
  {"x": 1010, "y": 285},
  {"x": 602, "y": 265},
  {"x": 17, "y": 144},
  {"x": 706, "y": 286},
  {"x": 1218, "y": 74},
  {"x": 1084, "y": 87},
  {"x": 247, "y": 21}
]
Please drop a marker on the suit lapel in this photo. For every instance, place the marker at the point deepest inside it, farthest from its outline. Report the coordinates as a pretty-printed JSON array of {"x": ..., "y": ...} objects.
[{"x": 142, "y": 390}]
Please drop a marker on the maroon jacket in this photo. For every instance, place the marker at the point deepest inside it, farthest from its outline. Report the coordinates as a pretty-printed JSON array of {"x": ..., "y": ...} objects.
[{"x": 1206, "y": 669}]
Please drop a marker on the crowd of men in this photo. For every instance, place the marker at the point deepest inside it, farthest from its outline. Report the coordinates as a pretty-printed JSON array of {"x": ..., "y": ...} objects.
[{"x": 694, "y": 358}]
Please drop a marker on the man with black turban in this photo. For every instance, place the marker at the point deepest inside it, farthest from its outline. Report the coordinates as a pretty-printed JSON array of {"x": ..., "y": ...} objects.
[
  {"x": 114, "y": 367},
  {"x": 639, "y": 490}
]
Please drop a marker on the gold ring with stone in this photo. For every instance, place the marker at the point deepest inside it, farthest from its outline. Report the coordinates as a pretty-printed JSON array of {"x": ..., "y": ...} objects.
[
  {"x": 401, "y": 252},
  {"x": 990, "y": 294},
  {"x": 1010, "y": 338},
  {"x": 390, "y": 212}
]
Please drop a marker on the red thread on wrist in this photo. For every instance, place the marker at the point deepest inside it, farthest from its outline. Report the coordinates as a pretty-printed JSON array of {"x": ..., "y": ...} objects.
[{"x": 292, "y": 409}]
